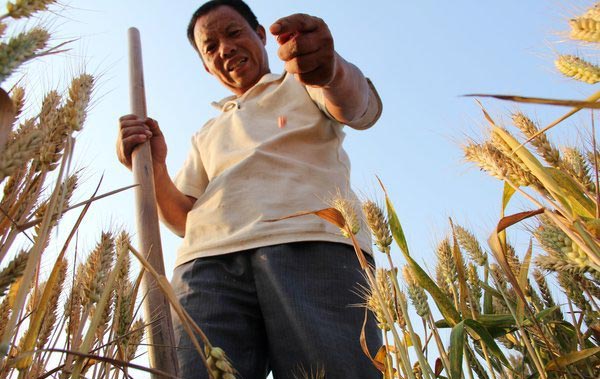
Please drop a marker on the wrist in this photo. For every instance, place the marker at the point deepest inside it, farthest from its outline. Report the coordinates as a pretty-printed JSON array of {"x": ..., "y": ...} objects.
[
  {"x": 160, "y": 169},
  {"x": 339, "y": 72}
]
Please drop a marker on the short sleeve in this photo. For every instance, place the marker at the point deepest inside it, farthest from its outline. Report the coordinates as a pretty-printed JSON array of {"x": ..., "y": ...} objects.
[
  {"x": 192, "y": 178},
  {"x": 366, "y": 120}
]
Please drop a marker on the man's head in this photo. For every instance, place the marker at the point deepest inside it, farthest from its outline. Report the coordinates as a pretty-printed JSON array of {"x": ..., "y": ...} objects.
[{"x": 231, "y": 43}]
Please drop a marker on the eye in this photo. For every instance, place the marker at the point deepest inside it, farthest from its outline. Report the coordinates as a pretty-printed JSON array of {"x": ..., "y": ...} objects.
[
  {"x": 209, "y": 48},
  {"x": 234, "y": 33}
]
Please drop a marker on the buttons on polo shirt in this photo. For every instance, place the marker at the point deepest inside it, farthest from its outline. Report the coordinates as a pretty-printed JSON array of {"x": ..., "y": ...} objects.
[{"x": 230, "y": 105}]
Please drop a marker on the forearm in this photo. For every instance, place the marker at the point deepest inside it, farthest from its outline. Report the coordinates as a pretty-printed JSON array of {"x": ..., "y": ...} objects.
[
  {"x": 173, "y": 205},
  {"x": 347, "y": 95}
]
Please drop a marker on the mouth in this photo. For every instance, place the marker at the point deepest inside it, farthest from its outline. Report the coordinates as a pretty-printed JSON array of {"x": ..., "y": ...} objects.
[{"x": 236, "y": 65}]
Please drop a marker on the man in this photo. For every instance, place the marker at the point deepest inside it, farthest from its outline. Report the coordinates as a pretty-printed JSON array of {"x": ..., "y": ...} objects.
[{"x": 279, "y": 296}]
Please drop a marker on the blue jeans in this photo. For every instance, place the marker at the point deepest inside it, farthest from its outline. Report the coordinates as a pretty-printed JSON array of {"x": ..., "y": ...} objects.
[{"x": 291, "y": 309}]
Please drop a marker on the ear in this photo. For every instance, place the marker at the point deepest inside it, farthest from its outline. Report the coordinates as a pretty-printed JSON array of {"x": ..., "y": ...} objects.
[
  {"x": 206, "y": 68},
  {"x": 260, "y": 30}
]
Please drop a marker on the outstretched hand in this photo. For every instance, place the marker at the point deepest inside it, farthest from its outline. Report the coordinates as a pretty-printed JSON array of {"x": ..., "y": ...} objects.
[{"x": 306, "y": 47}]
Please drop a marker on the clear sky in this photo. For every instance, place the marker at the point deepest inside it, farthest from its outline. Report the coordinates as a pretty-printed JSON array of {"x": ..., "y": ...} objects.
[{"x": 421, "y": 55}]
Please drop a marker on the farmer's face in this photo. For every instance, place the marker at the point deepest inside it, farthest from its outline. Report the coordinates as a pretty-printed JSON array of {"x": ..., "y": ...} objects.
[{"x": 230, "y": 49}]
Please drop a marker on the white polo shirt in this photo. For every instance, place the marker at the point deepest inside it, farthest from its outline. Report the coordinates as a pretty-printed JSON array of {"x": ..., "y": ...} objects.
[{"x": 272, "y": 152}]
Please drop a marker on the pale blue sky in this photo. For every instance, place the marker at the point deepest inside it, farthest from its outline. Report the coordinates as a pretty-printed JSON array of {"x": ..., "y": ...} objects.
[{"x": 421, "y": 56}]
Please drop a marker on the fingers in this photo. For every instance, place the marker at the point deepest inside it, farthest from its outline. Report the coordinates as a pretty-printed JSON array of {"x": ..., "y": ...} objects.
[
  {"x": 132, "y": 132},
  {"x": 296, "y": 23},
  {"x": 299, "y": 45},
  {"x": 306, "y": 48}
]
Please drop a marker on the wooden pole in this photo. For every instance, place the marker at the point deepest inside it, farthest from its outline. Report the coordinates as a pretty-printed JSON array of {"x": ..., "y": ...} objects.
[
  {"x": 161, "y": 341},
  {"x": 7, "y": 117}
]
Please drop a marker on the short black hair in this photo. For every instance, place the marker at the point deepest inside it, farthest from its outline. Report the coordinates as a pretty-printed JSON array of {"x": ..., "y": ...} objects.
[{"x": 238, "y": 5}]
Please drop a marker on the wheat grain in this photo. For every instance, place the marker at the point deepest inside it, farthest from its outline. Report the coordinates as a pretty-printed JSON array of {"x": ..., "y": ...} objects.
[
  {"x": 379, "y": 226},
  {"x": 13, "y": 271},
  {"x": 513, "y": 259},
  {"x": 348, "y": 211},
  {"x": 17, "y": 95},
  {"x": 218, "y": 363},
  {"x": 25, "y": 8},
  {"x": 571, "y": 284},
  {"x": 475, "y": 291},
  {"x": 386, "y": 289},
  {"x": 64, "y": 195},
  {"x": 440, "y": 280},
  {"x": 107, "y": 312},
  {"x": 97, "y": 268},
  {"x": 539, "y": 278},
  {"x": 446, "y": 263},
  {"x": 121, "y": 245},
  {"x": 585, "y": 29},
  {"x": 49, "y": 321},
  {"x": 587, "y": 26},
  {"x": 558, "y": 244},
  {"x": 5, "y": 311},
  {"x": 492, "y": 160},
  {"x": 541, "y": 142},
  {"x": 73, "y": 309},
  {"x": 577, "y": 68},
  {"x": 57, "y": 132},
  {"x": 123, "y": 309},
  {"x": 20, "y": 49},
  {"x": 574, "y": 163},
  {"x": 469, "y": 243},
  {"x": 134, "y": 339},
  {"x": 74, "y": 111},
  {"x": 416, "y": 294},
  {"x": 19, "y": 152}
]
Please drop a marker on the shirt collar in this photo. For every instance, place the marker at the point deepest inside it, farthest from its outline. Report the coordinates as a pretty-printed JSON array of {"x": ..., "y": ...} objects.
[{"x": 267, "y": 78}]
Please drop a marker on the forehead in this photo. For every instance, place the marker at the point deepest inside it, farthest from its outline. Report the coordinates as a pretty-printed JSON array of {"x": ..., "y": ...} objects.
[{"x": 217, "y": 20}]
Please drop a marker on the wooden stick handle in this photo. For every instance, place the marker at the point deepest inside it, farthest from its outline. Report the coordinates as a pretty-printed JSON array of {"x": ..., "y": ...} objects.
[
  {"x": 7, "y": 117},
  {"x": 161, "y": 341}
]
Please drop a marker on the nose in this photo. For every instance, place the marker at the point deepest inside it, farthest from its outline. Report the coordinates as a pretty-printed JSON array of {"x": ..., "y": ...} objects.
[{"x": 228, "y": 49}]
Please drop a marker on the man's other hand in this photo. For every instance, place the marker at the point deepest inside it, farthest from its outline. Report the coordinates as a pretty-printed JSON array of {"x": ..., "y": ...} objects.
[{"x": 306, "y": 47}]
